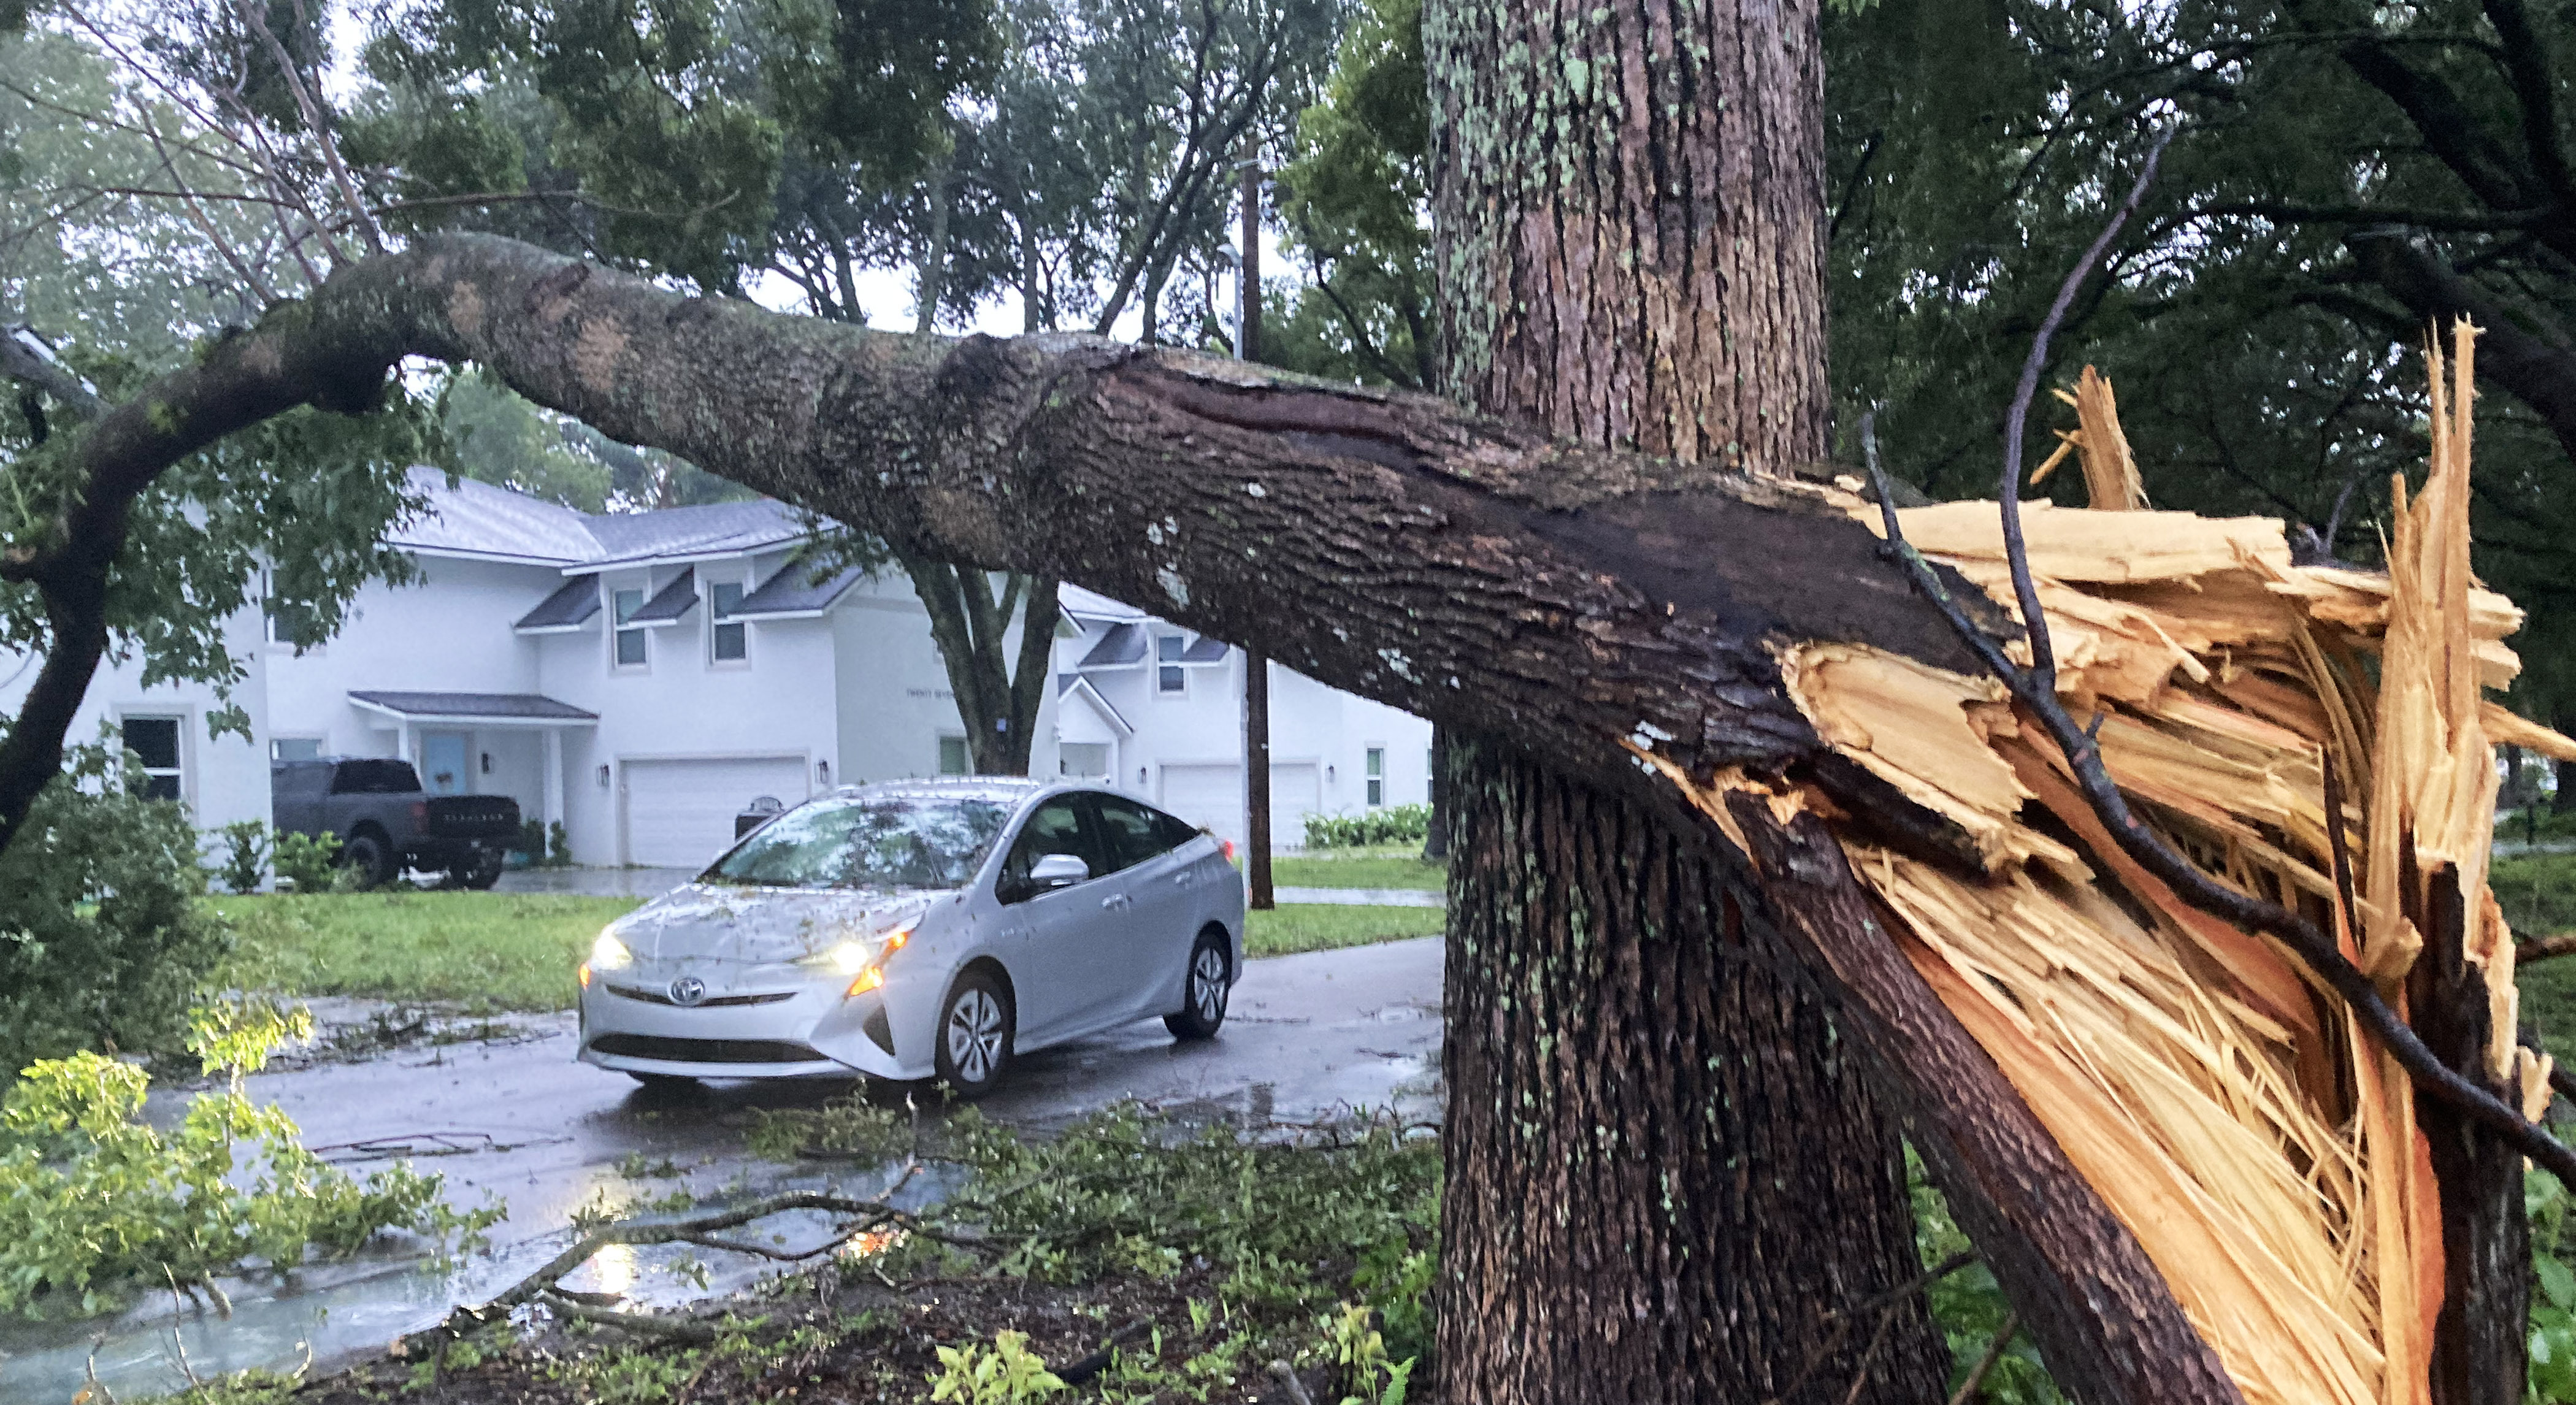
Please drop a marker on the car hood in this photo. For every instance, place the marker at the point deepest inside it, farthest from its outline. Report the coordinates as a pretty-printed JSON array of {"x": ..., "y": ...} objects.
[{"x": 760, "y": 926}]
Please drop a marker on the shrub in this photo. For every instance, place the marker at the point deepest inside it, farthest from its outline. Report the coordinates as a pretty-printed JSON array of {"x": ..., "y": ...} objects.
[
  {"x": 102, "y": 941},
  {"x": 95, "y": 1203},
  {"x": 532, "y": 840},
  {"x": 558, "y": 846},
  {"x": 245, "y": 855},
  {"x": 306, "y": 860},
  {"x": 1395, "y": 824}
]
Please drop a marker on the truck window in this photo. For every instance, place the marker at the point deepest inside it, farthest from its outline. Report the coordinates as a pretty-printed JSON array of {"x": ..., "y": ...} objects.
[{"x": 375, "y": 777}]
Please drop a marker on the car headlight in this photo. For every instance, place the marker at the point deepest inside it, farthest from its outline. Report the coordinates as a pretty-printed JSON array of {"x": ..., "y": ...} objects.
[
  {"x": 848, "y": 959},
  {"x": 866, "y": 960},
  {"x": 609, "y": 954}
]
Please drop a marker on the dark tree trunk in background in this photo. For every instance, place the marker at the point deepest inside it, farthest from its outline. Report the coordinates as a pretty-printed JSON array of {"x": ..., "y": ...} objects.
[
  {"x": 1256, "y": 664},
  {"x": 1662, "y": 1177}
]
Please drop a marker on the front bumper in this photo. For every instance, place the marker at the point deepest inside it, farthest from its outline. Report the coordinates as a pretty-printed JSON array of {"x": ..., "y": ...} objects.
[{"x": 752, "y": 1024}]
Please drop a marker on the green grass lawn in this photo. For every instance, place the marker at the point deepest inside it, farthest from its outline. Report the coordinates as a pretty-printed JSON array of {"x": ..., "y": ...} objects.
[
  {"x": 1295, "y": 927},
  {"x": 517, "y": 951},
  {"x": 1377, "y": 866},
  {"x": 486, "y": 951}
]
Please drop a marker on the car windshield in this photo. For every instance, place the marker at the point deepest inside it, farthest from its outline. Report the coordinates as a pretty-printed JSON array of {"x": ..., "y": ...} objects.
[{"x": 882, "y": 843}]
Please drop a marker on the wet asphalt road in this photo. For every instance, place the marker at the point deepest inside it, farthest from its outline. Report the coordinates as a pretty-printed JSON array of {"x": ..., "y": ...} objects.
[{"x": 517, "y": 1123}]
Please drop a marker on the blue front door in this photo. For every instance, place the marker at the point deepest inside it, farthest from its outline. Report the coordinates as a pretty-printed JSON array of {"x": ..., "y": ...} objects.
[{"x": 442, "y": 757}]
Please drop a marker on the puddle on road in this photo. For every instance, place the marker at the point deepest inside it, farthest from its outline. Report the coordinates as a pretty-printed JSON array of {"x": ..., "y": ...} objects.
[{"x": 334, "y": 1312}]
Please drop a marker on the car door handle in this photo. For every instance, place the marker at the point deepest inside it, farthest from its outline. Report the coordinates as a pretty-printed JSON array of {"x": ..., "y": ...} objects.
[{"x": 1116, "y": 900}]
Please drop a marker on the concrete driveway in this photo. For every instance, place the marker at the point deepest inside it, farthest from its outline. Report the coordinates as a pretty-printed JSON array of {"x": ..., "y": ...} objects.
[{"x": 518, "y": 1123}]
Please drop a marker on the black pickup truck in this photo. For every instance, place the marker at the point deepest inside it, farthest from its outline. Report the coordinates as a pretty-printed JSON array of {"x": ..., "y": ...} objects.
[{"x": 386, "y": 824}]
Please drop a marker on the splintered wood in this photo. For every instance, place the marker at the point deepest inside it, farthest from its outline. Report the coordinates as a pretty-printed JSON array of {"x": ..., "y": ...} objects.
[{"x": 2225, "y": 1104}]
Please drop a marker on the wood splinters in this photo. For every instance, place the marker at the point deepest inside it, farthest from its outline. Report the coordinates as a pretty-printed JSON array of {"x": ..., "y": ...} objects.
[{"x": 2222, "y": 1100}]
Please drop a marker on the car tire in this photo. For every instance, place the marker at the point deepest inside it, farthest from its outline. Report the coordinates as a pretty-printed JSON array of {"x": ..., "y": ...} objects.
[
  {"x": 479, "y": 870},
  {"x": 972, "y": 1045},
  {"x": 372, "y": 857},
  {"x": 1206, "y": 985}
]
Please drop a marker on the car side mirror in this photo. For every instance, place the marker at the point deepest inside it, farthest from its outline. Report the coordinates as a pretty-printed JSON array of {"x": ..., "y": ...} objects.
[{"x": 1057, "y": 871}]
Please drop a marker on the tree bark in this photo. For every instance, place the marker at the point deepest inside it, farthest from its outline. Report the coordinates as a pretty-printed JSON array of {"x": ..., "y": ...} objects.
[
  {"x": 2479, "y": 1352},
  {"x": 1662, "y": 1179},
  {"x": 1665, "y": 1178}
]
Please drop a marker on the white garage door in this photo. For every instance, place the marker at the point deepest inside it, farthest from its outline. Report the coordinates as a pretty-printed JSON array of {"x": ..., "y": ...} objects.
[
  {"x": 679, "y": 814},
  {"x": 1211, "y": 795}
]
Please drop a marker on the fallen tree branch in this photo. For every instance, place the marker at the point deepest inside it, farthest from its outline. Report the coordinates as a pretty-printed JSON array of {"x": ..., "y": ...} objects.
[
  {"x": 677, "y": 1329},
  {"x": 543, "y": 1284},
  {"x": 2035, "y": 688},
  {"x": 2544, "y": 948},
  {"x": 1089, "y": 1366}
]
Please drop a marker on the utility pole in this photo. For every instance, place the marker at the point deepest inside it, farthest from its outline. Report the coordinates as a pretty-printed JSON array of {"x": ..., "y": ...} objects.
[{"x": 1256, "y": 665}]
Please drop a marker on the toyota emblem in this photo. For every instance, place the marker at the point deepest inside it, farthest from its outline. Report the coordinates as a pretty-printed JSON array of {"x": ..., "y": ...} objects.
[{"x": 688, "y": 990}]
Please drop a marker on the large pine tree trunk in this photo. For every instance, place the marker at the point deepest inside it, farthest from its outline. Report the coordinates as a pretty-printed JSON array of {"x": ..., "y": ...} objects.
[{"x": 1662, "y": 1178}]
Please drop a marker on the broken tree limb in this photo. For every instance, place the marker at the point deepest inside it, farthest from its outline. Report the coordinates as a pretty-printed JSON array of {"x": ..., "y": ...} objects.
[
  {"x": 1451, "y": 564},
  {"x": 2104, "y": 1316}
]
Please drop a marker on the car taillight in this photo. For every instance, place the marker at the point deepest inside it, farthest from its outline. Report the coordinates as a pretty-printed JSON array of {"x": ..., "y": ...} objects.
[{"x": 419, "y": 811}]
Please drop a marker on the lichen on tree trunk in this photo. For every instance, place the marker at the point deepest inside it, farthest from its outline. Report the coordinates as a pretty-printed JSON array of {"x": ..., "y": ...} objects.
[{"x": 1664, "y": 1174}]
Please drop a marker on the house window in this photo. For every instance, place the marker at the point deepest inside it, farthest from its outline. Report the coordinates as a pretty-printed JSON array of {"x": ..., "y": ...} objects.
[
  {"x": 630, "y": 642},
  {"x": 1084, "y": 760},
  {"x": 730, "y": 636},
  {"x": 953, "y": 759},
  {"x": 295, "y": 748},
  {"x": 154, "y": 741},
  {"x": 1376, "y": 776},
  {"x": 1170, "y": 679},
  {"x": 290, "y": 623}
]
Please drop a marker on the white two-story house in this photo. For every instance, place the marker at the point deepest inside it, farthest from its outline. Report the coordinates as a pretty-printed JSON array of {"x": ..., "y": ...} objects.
[{"x": 640, "y": 678}]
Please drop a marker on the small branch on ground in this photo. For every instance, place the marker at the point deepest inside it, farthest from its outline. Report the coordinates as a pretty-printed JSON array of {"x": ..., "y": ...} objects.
[
  {"x": 2544, "y": 948},
  {"x": 703, "y": 1230},
  {"x": 1286, "y": 1376},
  {"x": 1098, "y": 1361}
]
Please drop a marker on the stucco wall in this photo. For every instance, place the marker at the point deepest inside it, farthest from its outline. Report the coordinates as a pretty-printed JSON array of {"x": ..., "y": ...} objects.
[{"x": 223, "y": 779}]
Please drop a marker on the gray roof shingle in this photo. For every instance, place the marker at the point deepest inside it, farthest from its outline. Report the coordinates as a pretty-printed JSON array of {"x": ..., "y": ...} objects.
[
  {"x": 525, "y": 707},
  {"x": 1122, "y": 645},
  {"x": 568, "y": 608},
  {"x": 792, "y": 590},
  {"x": 672, "y": 603}
]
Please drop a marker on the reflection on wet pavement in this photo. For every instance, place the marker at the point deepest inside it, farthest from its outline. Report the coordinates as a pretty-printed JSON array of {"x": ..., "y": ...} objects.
[{"x": 518, "y": 1123}]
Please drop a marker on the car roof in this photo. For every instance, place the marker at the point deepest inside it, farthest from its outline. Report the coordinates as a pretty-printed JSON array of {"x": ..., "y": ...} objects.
[{"x": 1006, "y": 790}]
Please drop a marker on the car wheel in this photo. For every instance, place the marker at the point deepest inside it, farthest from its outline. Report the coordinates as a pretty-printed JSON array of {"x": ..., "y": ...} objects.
[
  {"x": 1207, "y": 986},
  {"x": 480, "y": 871},
  {"x": 373, "y": 859},
  {"x": 975, "y": 1031}
]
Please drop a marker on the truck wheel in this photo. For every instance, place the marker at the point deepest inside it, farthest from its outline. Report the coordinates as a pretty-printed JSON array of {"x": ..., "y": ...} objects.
[
  {"x": 479, "y": 870},
  {"x": 374, "y": 859}
]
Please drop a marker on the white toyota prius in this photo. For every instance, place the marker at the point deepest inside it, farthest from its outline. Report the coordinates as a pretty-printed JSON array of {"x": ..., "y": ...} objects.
[{"x": 917, "y": 929}]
